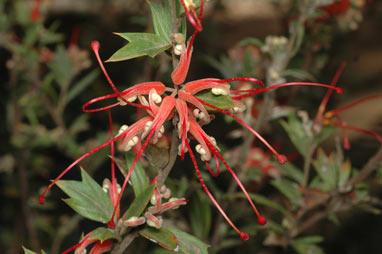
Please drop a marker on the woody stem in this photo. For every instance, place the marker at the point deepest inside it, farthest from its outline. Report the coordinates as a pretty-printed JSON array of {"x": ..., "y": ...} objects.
[{"x": 175, "y": 28}]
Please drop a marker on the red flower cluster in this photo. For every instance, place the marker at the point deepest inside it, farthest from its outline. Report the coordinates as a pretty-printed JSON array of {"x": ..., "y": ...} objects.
[{"x": 163, "y": 103}]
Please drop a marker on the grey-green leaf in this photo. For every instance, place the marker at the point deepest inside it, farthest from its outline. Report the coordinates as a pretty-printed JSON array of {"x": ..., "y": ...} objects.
[
  {"x": 189, "y": 244},
  {"x": 289, "y": 189},
  {"x": 200, "y": 215},
  {"x": 27, "y": 251},
  {"x": 304, "y": 247},
  {"x": 161, "y": 236},
  {"x": 140, "y": 44},
  {"x": 103, "y": 234},
  {"x": 140, "y": 202},
  {"x": 296, "y": 133},
  {"x": 299, "y": 74},
  {"x": 162, "y": 19},
  {"x": 253, "y": 41},
  {"x": 87, "y": 198},
  {"x": 81, "y": 85},
  {"x": 327, "y": 170},
  {"x": 220, "y": 101},
  {"x": 291, "y": 171},
  {"x": 138, "y": 177}
]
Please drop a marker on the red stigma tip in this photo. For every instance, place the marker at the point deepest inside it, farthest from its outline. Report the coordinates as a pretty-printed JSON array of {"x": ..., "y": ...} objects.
[
  {"x": 282, "y": 159},
  {"x": 261, "y": 220},
  {"x": 41, "y": 200},
  {"x": 339, "y": 90},
  {"x": 95, "y": 45},
  {"x": 244, "y": 236}
]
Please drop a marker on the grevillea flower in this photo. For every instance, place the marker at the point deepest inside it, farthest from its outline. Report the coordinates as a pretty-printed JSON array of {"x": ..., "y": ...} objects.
[
  {"x": 35, "y": 12},
  {"x": 98, "y": 248},
  {"x": 333, "y": 117},
  {"x": 163, "y": 103}
]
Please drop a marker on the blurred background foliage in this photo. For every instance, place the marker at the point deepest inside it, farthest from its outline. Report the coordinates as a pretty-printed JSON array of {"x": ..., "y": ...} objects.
[{"x": 47, "y": 73}]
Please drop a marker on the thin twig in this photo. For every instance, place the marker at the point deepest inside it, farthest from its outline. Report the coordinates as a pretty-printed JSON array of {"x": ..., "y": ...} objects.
[
  {"x": 120, "y": 247},
  {"x": 374, "y": 163},
  {"x": 175, "y": 28}
]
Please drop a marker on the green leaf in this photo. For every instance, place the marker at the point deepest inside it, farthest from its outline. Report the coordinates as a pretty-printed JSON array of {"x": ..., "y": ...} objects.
[
  {"x": 200, "y": 215},
  {"x": 290, "y": 170},
  {"x": 162, "y": 19},
  {"x": 344, "y": 174},
  {"x": 299, "y": 74},
  {"x": 306, "y": 245},
  {"x": 87, "y": 198},
  {"x": 196, "y": 5},
  {"x": 189, "y": 244},
  {"x": 138, "y": 177},
  {"x": 81, "y": 85},
  {"x": 253, "y": 41},
  {"x": 299, "y": 135},
  {"x": 104, "y": 234},
  {"x": 296, "y": 133},
  {"x": 27, "y": 251},
  {"x": 62, "y": 66},
  {"x": 300, "y": 35},
  {"x": 259, "y": 199},
  {"x": 310, "y": 239},
  {"x": 289, "y": 189},
  {"x": 161, "y": 236},
  {"x": 327, "y": 170},
  {"x": 220, "y": 101},
  {"x": 140, "y": 44},
  {"x": 275, "y": 227},
  {"x": 140, "y": 202}
]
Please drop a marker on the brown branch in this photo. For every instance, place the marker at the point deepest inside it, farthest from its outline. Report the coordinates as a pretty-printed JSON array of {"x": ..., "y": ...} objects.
[
  {"x": 373, "y": 164},
  {"x": 120, "y": 247}
]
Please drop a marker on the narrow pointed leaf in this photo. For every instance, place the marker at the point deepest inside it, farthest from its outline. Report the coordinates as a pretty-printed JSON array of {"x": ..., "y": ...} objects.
[
  {"x": 289, "y": 189},
  {"x": 200, "y": 215},
  {"x": 220, "y": 101},
  {"x": 140, "y": 44},
  {"x": 259, "y": 199},
  {"x": 87, "y": 198},
  {"x": 291, "y": 171},
  {"x": 138, "y": 177},
  {"x": 189, "y": 244},
  {"x": 303, "y": 248},
  {"x": 162, "y": 19},
  {"x": 344, "y": 174},
  {"x": 161, "y": 236},
  {"x": 104, "y": 234},
  {"x": 140, "y": 202},
  {"x": 299, "y": 74},
  {"x": 297, "y": 133},
  {"x": 196, "y": 5},
  {"x": 27, "y": 251},
  {"x": 81, "y": 85},
  {"x": 327, "y": 170}
]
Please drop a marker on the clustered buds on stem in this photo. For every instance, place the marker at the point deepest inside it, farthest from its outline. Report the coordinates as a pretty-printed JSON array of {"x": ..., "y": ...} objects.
[{"x": 191, "y": 115}]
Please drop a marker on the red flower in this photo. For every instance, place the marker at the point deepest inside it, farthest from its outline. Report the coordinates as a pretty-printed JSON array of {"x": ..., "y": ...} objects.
[
  {"x": 163, "y": 103},
  {"x": 338, "y": 7}
]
